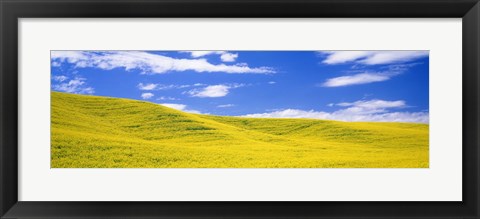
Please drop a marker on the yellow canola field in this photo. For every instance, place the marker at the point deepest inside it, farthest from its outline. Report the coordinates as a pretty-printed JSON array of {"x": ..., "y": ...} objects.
[{"x": 102, "y": 132}]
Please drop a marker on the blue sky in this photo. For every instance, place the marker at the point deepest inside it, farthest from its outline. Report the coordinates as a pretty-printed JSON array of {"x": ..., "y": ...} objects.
[{"x": 337, "y": 85}]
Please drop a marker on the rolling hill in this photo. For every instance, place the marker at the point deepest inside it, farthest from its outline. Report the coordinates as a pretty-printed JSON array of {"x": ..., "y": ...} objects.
[{"x": 102, "y": 132}]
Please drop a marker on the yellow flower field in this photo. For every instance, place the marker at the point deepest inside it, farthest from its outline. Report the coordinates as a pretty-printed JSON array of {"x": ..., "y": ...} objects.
[{"x": 101, "y": 132}]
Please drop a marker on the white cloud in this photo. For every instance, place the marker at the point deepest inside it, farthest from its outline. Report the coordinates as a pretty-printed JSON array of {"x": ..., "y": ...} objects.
[
  {"x": 151, "y": 86},
  {"x": 226, "y": 105},
  {"x": 198, "y": 54},
  {"x": 362, "y": 78},
  {"x": 339, "y": 57},
  {"x": 272, "y": 82},
  {"x": 181, "y": 107},
  {"x": 372, "y": 57},
  {"x": 371, "y": 110},
  {"x": 175, "y": 106},
  {"x": 229, "y": 57},
  {"x": 166, "y": 98},
  {"x": 149, "y": 63},
  {"x": 56, "y": 64},
  {"x": 210, "y": 91},
  {"x": 368, "y": 77},
  {"x": 393, "y": 57},
  {"x": 290, "y": 113},
  {"x": 219, "y": 90},
  {"x": 60, "y": 78},
  {"x": 224, "y": 56},
  {"x": 76, "y": 85},
  {"x": 69, "y": 56},
  {"x": 142, "y": 86},
  {"x": 364, "y": 107},
  {"x": 172, "y": 86},
  {"x": 146, "y": 96},
  {"x": 374, "y": 104}
]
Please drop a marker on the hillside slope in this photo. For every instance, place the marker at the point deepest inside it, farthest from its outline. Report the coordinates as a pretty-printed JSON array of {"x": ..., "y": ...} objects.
[{"x": 91, "y": 131}]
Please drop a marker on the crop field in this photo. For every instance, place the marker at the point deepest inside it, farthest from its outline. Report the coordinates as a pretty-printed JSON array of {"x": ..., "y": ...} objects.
[{"x": 101, "y": 132}]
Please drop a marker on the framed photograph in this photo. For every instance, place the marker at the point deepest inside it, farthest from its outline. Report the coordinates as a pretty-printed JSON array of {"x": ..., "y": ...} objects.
[{"x": 255, "y": 109}]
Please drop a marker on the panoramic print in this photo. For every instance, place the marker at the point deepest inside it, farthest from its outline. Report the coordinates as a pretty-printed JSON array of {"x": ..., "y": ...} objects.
[{"x": 239, "y": 109}]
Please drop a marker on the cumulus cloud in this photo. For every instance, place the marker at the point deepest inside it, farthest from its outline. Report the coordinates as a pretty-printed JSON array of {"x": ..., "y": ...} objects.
[
  {"x": 60, "y": 78},
  {"x": 56, "y": 64},
  {"x": 226, "y": 105},
  {"x": 150, "y": 86},
  {"x": 166, "y": 98},
  {"x": 228, "y": 57},
  {"x": 210, "y": 91},
  {"x": 371, "y": 57},
  {"x": 198, "y": 54},
  {"x": 290, "y": 113},
  {"x": 368, "y": 77},
  {"x": 146, "y": 96},
  {"x": 76, "y": 85},
  {"x": 362, "y": 78},
  {"x": 69, "y": 56},
  {"x": 219, "y": 90},
  {"x": 374, "y": 104},
  {"x": 149, "y": 63},
  {"x": 142, "y": 86},
  {"x": 371, "y": 110},
  {"x": 224, "y": 55},
  {"x": 181, "y": 107},
  {"x": 175, "y": 106},
  {"x": 172, "y": 86},
  {"x": 364, "y": 107}
]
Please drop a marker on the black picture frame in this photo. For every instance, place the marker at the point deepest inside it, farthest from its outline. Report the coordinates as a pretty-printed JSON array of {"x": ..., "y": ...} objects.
[{"x": 12, "y": 10}]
